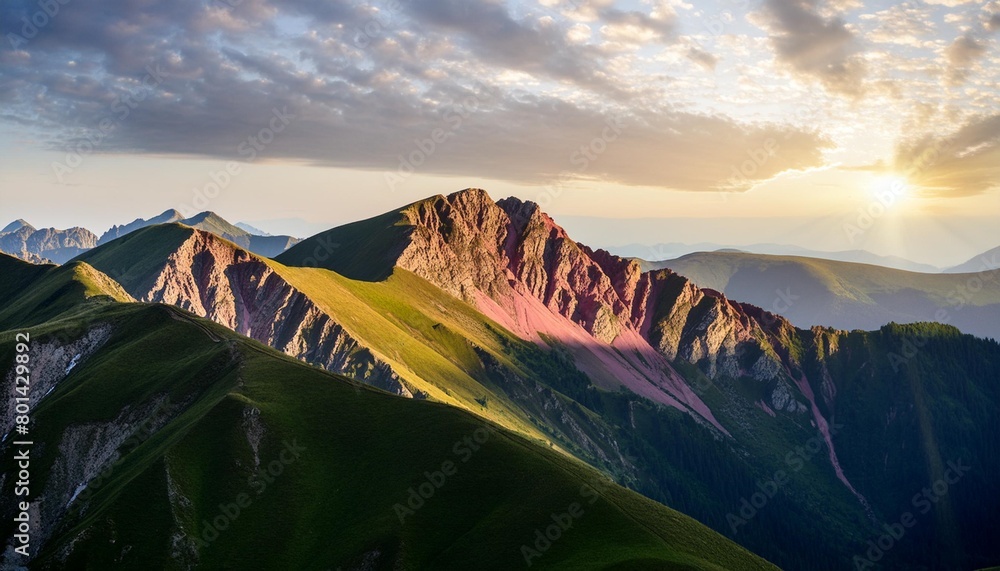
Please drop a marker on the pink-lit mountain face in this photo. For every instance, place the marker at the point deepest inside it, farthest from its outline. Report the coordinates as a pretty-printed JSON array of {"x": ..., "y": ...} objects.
[{"x": 516, "y": 265}]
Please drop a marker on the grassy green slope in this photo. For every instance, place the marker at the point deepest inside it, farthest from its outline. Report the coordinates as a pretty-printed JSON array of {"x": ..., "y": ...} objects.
[
  {"x": 431, "y": 330},
  {"x": 17, "y": 276},
  {"x": 334, "y": 505},
  {"x": 365, "y": 250},
  {"x": 134, "y": 258},
  {"x": 426, "y": 334},
  {"x": 428, "y": 337},
  {"x": 33, "y": 294},
  {"x": 212, "y": 222}
]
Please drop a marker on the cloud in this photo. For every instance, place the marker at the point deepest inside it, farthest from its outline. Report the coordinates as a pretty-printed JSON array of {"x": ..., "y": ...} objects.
[
  {"x": 367, "y": 87},
  {"x": 487, "y": 133},
  {"x": 964, "y": 51},
  {"x": 637, "y": 26},
  {"x": 702, "y": 58},
  {"x": 493, "y": 35},
  {"x": 949, "y": 3},
  {"x": 904, "y": 24},
  {"x": 965, "y": 163},
  {"x": 962, "y": 54},
  {"x": 813, "y": 45}
]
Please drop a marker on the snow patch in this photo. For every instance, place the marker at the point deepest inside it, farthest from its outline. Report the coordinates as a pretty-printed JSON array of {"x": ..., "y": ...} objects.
[
  {"x": 76, "y": 493},
  {"x": 51, "y": 361},
  {"x": 71, "y": 364}
]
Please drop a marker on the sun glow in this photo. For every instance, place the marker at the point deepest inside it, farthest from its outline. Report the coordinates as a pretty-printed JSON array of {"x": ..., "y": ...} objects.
[{"x": 891, "y": 185}]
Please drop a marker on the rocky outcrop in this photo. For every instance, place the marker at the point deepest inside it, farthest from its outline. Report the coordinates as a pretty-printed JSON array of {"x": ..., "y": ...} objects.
[
  {"x": 514, "y": 248},
  {"x": 517, "y": 266},
  {"x": 702, "y": 327},
  {"x": 16, "y": 225},
  {"x": 518, "y": 251},
  {"x": 468, "y": 245},
  {"x": 528, "y": 275},
  {"x": 211, "y": 278},
  {"x": 52, "y": 360}
]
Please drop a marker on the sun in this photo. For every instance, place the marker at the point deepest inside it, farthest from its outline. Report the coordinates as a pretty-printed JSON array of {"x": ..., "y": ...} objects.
[{"x": 891, "y": 185}]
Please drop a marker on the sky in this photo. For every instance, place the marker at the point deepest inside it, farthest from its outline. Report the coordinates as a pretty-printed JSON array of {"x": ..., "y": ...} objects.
[{"x": 832, "y": 125}]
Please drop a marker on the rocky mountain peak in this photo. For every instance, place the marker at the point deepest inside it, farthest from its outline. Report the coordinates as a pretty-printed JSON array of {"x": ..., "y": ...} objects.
[
  {"x": 475, "y": 248},
  {"x": 519, "y": 267},
  {"x": 17, "y": 225}
]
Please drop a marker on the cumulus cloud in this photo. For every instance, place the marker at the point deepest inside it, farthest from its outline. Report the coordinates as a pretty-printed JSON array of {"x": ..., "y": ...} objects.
[
  {"x": 813, "y": 45},
  {"x": 702, "y": 58},
  {"x": 993, "y": 22},
  {"x": 949, "y": 3},
  {"x": 964, "y": 51},
  {"x": 904, "y": 24},
  {"x": 491, "y": 33},
  {"x": 962, "y": 54},
  {"x": 965, "y": 163},
  {"x": 638, "y": 26}
]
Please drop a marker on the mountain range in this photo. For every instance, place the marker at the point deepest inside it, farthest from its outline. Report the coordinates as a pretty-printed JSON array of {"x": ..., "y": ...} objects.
[
  {"x": 673, "y": 250},
  {"x": 22, "y": 240},
  {"x": 988, "y": 260},
  {"x": 46, "y": 245},
  {"x": 804, "y": 446},
  {"x": 810, "y": 291}
]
